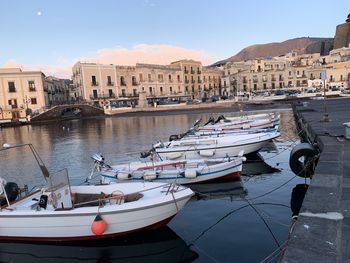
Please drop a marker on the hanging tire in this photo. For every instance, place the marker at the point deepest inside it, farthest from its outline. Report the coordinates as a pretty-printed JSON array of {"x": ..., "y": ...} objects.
[{"x": 307, "y": 151}]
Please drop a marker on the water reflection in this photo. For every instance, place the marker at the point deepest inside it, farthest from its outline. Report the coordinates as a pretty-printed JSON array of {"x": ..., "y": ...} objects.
[
  {"x": 255, "y": 165},
  {"x": 161, "y": 245},
  {"x": 297, "y": 198},
  {"x": 232, "y": 190}
]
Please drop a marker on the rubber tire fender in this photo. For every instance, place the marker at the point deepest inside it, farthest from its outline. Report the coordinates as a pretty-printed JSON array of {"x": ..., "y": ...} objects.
[{"x": 305, "y": 150}]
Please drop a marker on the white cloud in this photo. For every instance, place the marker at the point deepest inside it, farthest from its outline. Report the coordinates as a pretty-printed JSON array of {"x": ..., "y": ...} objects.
[
  {"x": 149, "y": 53},
  {"x": 142, "y": 53}
]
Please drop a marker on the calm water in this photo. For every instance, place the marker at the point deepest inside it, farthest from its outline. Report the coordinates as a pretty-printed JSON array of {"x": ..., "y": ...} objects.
[{"x": 218, "y": 225}]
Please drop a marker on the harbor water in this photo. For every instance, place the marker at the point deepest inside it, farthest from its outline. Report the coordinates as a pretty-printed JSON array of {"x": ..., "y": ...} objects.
[{"x": 242, "y": 221}]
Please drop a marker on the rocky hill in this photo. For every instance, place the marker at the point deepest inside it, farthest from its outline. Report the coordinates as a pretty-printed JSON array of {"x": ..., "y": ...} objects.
[{"x": 303, "y": 45}]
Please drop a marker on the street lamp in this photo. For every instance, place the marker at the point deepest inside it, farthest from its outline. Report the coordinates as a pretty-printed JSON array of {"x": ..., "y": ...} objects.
[{"x": 325, "y": 117}]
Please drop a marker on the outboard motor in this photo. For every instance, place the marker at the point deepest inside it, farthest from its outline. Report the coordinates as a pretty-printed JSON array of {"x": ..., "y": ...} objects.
[
  {"x": 12, "y": 191},
  {"x": 197, "y": 122},
  {"x": 174, "y": 137},
  {"x": 210, "y": 121},
  {"x": 221, "y": 117},
  {"x": 145, "y": 154}
]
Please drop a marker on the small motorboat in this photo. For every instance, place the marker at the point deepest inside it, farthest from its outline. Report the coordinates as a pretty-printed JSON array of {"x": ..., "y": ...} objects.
[
  {"x": 212, "y": 146},
  {"x": 181, "y": 171},
  {"x": 58, "y": 211}
]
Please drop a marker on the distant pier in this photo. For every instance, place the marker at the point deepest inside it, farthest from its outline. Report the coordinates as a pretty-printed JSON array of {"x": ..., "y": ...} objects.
[{"x": 322, "y": 231}]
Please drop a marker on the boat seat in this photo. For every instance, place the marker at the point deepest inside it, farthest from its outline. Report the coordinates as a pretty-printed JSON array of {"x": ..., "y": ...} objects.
[{"x": 83, "y": 200}]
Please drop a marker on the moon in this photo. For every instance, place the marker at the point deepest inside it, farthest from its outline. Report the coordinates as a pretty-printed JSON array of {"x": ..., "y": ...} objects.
[{"x": 39, "y": 13}]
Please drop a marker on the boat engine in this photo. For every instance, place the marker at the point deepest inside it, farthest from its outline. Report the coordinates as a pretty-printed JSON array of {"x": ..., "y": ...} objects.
[{"x": 11, "y": 191}]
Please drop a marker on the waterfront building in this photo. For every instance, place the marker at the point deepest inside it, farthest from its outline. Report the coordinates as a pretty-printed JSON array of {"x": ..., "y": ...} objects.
[
  {"x": 56, "y": 91},
  {"x": 300, "y": 72},
  {"x": 21, "y": 92},
  {"x": 103, "y": 84}
]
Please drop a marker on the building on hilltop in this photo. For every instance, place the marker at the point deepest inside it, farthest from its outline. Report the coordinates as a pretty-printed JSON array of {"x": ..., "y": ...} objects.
[{"x": 342, "y": 34}]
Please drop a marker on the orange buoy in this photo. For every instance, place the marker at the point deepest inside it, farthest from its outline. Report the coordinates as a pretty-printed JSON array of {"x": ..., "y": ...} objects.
[{"x": 99, "y": 226}]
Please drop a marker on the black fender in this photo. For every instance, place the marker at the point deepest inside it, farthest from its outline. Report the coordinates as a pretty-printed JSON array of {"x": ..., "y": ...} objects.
[{"x": 305, "y": 150}]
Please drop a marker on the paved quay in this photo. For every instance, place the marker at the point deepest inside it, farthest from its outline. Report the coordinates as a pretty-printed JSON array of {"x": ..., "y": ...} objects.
[{"x": 322, "y": 231}]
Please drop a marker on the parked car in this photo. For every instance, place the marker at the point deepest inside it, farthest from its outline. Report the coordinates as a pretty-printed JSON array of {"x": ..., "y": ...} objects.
[{"x": 279, "y": 92}]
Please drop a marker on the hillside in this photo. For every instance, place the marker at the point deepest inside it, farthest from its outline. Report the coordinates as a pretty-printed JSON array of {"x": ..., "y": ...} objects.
[{"x": 303, "y": 45}]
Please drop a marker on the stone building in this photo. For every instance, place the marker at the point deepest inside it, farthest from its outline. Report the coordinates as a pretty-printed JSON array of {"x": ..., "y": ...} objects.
[
  {"x": 21, "y": 92},
  {"x": 342, "y": 34},
  {"x": 101, "y": 83},
  {"x": 56, "y": 91}
]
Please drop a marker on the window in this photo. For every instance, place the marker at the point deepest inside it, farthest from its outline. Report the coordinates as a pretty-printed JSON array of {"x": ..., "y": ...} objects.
[
  {"x": 93, "y": 81},
  {"x": 169, "y": 77},
  {"x": 149, "y": 77},
  {"x": 160, "y": 77},
  {"x": 264, "y": 85},
  {"x": 122, "y": 81},
  {"x": 256, "y": 86},
  {"x": 109, "y": 81},
  {"x": 31, "y": 85},
  {"x": 133, "y": 79},
  {"x": 123, "y": 93},
  {"x": 33, "y": 101},
  {"x": 178, "y": 78},
  {"x": 12, "y": 87},
  {"x": 94, "y": 92},
  {"x": 134, "y": 92},
  {"x": 110, "y": 93},
  {"x": 171, "y": 89},
  {"x": 161, "y": 89},
  {"x": 141, "y": 77},
  {"x": 150, "y": 90}
]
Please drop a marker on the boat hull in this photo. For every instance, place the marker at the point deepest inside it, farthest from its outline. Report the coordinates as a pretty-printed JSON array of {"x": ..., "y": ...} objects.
[
  {"x": 219, "y": 150},
  {"x": 76, "y": 224},
  {"x": 222, "y": 172}
]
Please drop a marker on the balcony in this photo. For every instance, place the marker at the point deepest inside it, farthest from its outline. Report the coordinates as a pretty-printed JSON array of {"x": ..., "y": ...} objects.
[
  {"x": 192, "y": 71},
  {"x": 199, "y": 72},
  {"x": 255, "y": 80},
  {"x": 186, "y": 71},
  {"x": 94, "y": 83},
  {"x": 31, "y": 88},
  {"x": 122, "y": 83},
  {"x": 102, "y": 96},
  {"x": 199, "y": 81},
  {"x": 12, "y": 90},
  {"x": 135, "y": 83},
  {"x": 193, "y": 81},
  {"x": 110, "y": 83},
  {"x": 187, "y": 81},
  {"x": 280, "y": 78},
  {"x": 245, "y": 81},
  {"x": 273, "y": 79}
]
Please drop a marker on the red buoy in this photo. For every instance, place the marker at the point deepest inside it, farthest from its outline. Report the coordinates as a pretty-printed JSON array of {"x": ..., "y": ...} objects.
[{"x": 99, "y": 226}]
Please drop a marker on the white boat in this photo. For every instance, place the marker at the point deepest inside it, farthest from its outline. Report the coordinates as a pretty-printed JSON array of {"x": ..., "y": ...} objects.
[
  {"x": 213, "y": 147},
  {"x": 181, "y": 172},
  {"x": 243, "y": 122},
  {"x": 60, "y": 212},
  {"x": 224, "y": 132},
  {"x": 246, "y": 124}
]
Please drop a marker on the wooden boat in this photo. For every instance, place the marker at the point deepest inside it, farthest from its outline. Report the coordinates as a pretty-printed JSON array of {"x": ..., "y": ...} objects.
[
  {"x": 181, "y": 172},
  {"x": 59, "y": 211}
]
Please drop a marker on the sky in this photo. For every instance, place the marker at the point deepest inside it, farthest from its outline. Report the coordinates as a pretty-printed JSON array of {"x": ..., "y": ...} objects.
[{"x": 52, "y": 35}]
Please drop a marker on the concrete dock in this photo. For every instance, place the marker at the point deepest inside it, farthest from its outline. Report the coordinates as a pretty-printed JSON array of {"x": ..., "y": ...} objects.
[{"x": 322, "y": 231}]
